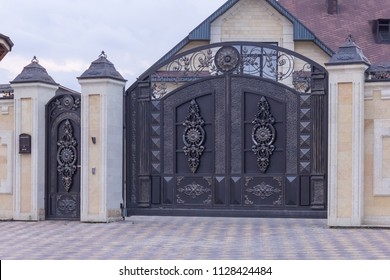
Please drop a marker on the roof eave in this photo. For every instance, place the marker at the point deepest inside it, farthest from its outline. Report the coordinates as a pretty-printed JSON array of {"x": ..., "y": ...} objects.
[{"x": 7, "y": 40}]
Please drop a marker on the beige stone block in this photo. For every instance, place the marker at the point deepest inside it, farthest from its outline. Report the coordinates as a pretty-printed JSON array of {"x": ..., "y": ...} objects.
[
  {"x": 368, "y": 165},
  {"x": 6, "y": 203},
  {"x": 312, "y": 51},
  {"x": 260, "y": 23},
  {"x": 94, "y": 193},
  {"x": 3, "y": 162},
  {"x": 369, "y": 109},
  {"x": 25, "y": 159},
  {"x": 368, "y": 138},
  {"x": 7, "y": 120},
  {"x": 114, "y": 215},
  {"x": 345, "y": 138},
  {"x": 27, "y": 116},
  {"x": 345, "y": 164},
  {"x": 377, "y": 206},
  {"x": 344, "y": 202},
  {"x": 25, "y": 184},
  {"x": 377, "y": 106}
]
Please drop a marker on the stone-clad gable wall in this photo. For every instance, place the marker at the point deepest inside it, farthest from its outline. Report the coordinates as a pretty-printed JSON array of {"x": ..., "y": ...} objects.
[{"x": 253, "y": 20}]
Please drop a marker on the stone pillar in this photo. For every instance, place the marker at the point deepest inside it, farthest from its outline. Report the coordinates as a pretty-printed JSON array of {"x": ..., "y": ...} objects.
[
  {"x": 33, "y": 88},
  {"x": 102, "y": 89},
  {"x": 346, "y": 135}
]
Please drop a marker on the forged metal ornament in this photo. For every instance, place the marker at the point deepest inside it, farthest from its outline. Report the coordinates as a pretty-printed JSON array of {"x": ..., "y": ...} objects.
[
  {"x": 260, "y": 60},
  {"x": 227, "y": 59},
  {"x": 67, "y": 156},
  {"x": 263, "y": 190},
  {"x": 67, "y": 103},
  {"x": 263, "y": 135},
  {"x": 193, "y": 190},
  {"x": 67, "y": 205},
  {"x": 194, "y": 136}
]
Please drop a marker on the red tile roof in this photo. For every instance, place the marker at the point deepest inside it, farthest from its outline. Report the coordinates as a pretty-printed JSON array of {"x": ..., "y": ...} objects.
[{"x": 355, "y": 17}]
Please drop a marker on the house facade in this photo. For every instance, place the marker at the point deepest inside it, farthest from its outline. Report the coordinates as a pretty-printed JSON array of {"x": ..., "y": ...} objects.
[{"x": 262, "y": 110}]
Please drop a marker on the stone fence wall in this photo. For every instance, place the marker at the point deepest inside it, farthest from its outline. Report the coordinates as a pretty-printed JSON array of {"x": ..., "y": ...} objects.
[{"x": 358, "y": 147}]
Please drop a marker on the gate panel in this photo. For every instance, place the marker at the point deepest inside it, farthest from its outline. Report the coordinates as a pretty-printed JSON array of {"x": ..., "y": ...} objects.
[{"x": 63, "y": 158}]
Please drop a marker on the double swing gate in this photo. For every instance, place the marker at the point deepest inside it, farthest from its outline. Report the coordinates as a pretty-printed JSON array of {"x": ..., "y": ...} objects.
[{"x": 235, "y": 129}]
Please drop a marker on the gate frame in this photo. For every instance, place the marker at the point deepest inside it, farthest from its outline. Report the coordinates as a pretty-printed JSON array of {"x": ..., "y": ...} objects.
[{"x": 143, "y": 91}]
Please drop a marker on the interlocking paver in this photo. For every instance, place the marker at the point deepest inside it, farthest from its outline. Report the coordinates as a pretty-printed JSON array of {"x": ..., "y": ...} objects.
[{"x": 191, "y": 238}]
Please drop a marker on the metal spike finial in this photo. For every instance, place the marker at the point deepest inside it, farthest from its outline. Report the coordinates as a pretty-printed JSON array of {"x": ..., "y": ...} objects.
[
  {"x": 350, "y": 39},
  {"x": 103, "y": 55},
  {"x": 35, "y": 60}
]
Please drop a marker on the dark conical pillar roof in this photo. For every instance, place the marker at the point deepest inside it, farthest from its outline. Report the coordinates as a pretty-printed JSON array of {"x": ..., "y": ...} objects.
[
  {"x": 101, "y": 68},
  {"x": 348, "y": 53},
  {"x": 34, "y": 73}
]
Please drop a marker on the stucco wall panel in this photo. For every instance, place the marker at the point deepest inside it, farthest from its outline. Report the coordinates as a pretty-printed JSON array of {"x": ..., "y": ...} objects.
[
  {"x": 377, "y": 155},
  {"x": 94, "y": 194},
  {"x": 344, "y": 151}
]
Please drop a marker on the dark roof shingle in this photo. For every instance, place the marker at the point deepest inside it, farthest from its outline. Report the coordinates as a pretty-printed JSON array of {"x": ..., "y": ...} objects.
[{"x": 354, "y": 17}]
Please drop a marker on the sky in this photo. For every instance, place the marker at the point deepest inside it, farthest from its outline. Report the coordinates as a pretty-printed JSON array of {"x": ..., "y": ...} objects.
[{"x": 67, "y": 35}]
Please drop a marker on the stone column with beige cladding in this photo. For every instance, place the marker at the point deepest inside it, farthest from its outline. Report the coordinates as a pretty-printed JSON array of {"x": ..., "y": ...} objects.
[
  {"x": 33, "y": 88},
  {"x": 346, "y": 135},
  {"x": 102, "y": 89}
]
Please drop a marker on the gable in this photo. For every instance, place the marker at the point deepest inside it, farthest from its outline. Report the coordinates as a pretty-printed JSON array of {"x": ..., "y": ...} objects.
[{"x": 206, "y": 31}]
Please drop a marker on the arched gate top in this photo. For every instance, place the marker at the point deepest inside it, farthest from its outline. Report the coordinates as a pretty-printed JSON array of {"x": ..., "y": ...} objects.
[{"x": 263, "y": 60}]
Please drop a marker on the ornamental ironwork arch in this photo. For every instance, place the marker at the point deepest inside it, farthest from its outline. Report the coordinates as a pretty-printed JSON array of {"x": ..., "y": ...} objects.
[{"x": 263, "y": 60}]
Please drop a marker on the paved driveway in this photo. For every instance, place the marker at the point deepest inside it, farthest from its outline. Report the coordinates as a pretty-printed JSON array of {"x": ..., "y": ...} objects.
[{"x": 167, "y": 238}]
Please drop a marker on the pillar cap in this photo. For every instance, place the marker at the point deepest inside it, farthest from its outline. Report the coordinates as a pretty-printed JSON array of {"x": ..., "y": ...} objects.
[
  {"x": 34, "y": 73},
  {"x": 348, "y": 53},
  {"x": 102, "y": 68}
]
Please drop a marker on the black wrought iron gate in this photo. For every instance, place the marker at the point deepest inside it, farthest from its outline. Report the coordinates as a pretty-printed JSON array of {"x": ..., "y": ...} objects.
[
  {"x": 231, "y": 129},
  {"x": 63, "y": 157}
]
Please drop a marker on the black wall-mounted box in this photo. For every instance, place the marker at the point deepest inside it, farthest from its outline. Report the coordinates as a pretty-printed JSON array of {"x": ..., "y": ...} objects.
[{"x": 24, "y": 143}]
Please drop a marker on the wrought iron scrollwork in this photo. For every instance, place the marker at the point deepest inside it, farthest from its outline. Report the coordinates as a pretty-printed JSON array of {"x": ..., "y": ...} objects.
[
  {"x": 67, "y": 156},
  {"x": 194, "y": 136},
  {"x": 261, "y": 60},
  {"x": 263, "y": 135},
  {"x": 378, "y": 72}
]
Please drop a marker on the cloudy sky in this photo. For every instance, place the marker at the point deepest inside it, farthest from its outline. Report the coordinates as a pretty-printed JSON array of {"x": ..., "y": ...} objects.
[{"x": 67, "y": 35}]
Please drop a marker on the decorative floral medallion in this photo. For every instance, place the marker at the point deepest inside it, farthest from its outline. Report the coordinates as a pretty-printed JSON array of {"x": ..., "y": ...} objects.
[
  {"x": 263, "y": 190},
  {"x": 67, "y": 156},
  {"x": 194, "y": 136},
  {"x": 227, "y": 59},
  {"x": 193, "y": 190},
  {"x": 263, "y": 135}
]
